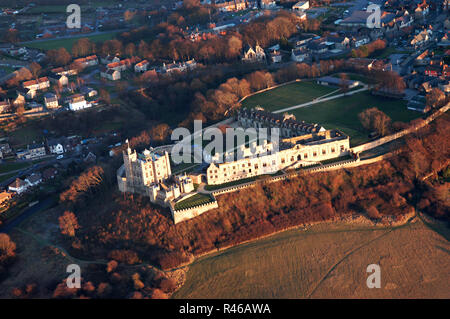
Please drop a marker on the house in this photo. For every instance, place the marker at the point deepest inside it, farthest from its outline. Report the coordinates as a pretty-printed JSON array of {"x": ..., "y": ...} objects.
[
  {"x": 141, "y": 66},
  {"x": 299, "y": 54},
  {"x": 4, "y": 197},
  {"x": 110, "y": 59},
  {"x": 302, "y": 39},
  {"x": 34, "y": 179},
  {"x": 444, "y": 86},
  {"x": 64, "y": 71},
  {"x": 418, "y": 103},
  {"x": 360, "y": 40},
  {"x": 253, "y": 55},
  {"x": 420, "y": 39},
  {"x": 51, "y": 101},
  {"x": 356, "y": 20},
  {"x": 267, "y": 4},
  {"x": 33, "y": 151},
  {"x": 89, "y": 92},
  {"x": 338, "y": 42},
  {"x": 179, "y": 67},
  {"x": 77, "y": 102},
  {"x": 59, "y": 79},
  {"x": 5, "y": 149},
  {"x": 17, "y": 97},
  {"x": 301, "y": 6},
  {"x": 445, "y": 40},
  {"x": 35, "y": 85},
  {"x": 49, "y": 173},
  {"x": 110, "y": 74},
  {"x": 422, "y": 9},
  {"x": 275, "y": 56},
  {"x": 231, "y": 5},
  {"x": 90, "y": 158},
  {"x": 317, "y": 47},
  {"x": 56, "y": 145},
  {"x": 18, "y": 186},
  {"x": 337, "y": 82},
  {"x": 87, "y": 61},
  {"x": 4, "y": 106}
]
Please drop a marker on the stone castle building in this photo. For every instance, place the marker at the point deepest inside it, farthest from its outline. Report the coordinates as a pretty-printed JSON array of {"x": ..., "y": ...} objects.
[
  {"x": 149, "y": 174},
  {"x": 288, "y": 125},
  {"x": 303, "y": 145}
]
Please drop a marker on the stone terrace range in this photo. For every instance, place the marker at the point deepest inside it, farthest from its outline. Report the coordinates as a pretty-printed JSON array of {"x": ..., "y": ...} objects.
[{"x": 288, "y": 125}]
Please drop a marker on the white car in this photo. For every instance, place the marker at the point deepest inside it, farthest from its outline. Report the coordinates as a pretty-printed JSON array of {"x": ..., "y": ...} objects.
[{"x": 59, "y": 157}]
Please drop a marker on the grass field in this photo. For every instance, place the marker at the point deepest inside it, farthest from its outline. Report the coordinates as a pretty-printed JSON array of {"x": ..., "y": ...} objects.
[
  {"x": 288, "y": 95},
  {"x": 8, "y": 167},
  {"x": 342, "y": 113},
  {"x": 68, "y": 42},
  {"x": 327, "y": 261},
  {"x": 197, "y": 199}
]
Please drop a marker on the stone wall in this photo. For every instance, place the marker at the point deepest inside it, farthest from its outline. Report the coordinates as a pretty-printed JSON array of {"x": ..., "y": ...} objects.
[
  {"x": 185, "y": 214},
  {"x": 389, "y": 138}
]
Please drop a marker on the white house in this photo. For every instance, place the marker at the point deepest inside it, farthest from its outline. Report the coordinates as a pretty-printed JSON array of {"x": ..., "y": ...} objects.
[
  {"x": 18, "y": 186},
  {"x": 34, "y": 179},
  {"x": 51, "y": 101},
  {"x": 77, "y": 102},
  {"x": 301, "y": 6},
  {"x": 141, "y": 66},
  {"x": 56, "y": 146},
  {"x": 254, "y": 55},
  {"x": 299, "y": 55}
]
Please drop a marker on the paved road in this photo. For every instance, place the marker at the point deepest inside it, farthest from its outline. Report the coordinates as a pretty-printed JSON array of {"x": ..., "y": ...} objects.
[{"x": 44, "y": 204}]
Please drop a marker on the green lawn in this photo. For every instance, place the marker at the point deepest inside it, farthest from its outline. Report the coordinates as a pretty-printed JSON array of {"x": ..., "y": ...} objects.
[
  {"x": 197, "y": 199},
  {"x": 68, "y": 42},
  {"x": 24, "y": 135},
  {"x": 8, "y": 167},
  {"x": 288, "y": 95},
  {"x": 342, "y": 113},
  {"x": 6, "y": 177},
  {"x": 229, "y": 184},
  {"x": 48, "y": 9}
]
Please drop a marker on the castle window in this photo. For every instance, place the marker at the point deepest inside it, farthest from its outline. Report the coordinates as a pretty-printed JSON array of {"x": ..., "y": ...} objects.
[
  {"x": 314, "y": 153},
  {"x": 273, "y": 162},
  {"x": 324, "y": 152},
  {"x": 283, "y": 160},
  {"x": 256, "y": 166},
  {"x": 342, "y": 148},
  {"x": 305, "y": 155},
  {"x": 299, "y": 157},
  {"x": 292, "y": 158},
  {"x": 333, "y": 150}
]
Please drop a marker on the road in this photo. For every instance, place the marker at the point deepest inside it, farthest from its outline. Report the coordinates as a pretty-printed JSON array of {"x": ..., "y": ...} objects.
[
  {"x": 71, "y": 36},
  {"x": 44, "y": 204}
]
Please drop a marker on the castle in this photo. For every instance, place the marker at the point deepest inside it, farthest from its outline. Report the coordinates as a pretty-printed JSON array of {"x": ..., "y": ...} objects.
[
  {"x": 149, "y": 174},
  {"x": 302, "y": 144}
]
